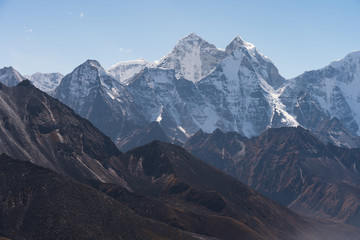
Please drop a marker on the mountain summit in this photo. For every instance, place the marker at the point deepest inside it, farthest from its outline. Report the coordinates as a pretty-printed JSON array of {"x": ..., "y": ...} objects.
[
  {"x": 124, "y": 71},
  {"x": 192, "y": 58},
  {"x": 10, "y": 77}
]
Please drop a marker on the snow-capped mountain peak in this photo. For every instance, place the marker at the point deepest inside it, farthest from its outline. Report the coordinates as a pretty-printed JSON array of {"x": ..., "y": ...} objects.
[
  {"x": 123, "y": 71},
  {"x": 192, "y": 35},
  {"x": 125, "y": 63},
  {"x": 83, "y": 81},
  {"x": 93, "y": 63},
  {"x": 349, "y": 57},
  {"x": 101, "y": 74},
  {"x": 192, "y": 58},
  {"x": 349, "y": 64},
  {"x": 189, "y": 38},
  {"x": 238, "y": 43}
]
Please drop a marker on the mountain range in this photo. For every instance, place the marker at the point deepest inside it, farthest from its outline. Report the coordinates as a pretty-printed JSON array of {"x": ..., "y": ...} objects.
[{"x": 199, "y": 86}]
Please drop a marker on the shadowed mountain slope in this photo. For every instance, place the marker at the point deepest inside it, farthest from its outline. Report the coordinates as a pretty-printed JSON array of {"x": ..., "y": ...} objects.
[
  {"x": 42, "y": 130},
  {"x": 291, "y": 166},
  {"x": 37, "y": 203}
]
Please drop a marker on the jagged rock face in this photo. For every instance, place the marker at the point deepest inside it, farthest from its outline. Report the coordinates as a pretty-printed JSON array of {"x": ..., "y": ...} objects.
[
  {"x": 290, "y": 166},
  {"x": 40, "y": 129},
  {"x": 10, "y": 77},
  {"x": 124, "y": 71},
  {"x": 46, "y": 82},
  {"x": 192, "y": 58}
]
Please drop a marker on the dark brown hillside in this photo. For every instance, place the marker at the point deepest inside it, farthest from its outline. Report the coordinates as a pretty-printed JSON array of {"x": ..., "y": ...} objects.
[
  {"x": 202, "y": 199},
  {"x": 293, "y": 167},
  {"x": 37, "y": 203}
]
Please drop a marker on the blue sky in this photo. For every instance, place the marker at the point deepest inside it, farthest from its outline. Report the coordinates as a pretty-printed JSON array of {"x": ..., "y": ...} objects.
[{"x": 57, "y": 36}]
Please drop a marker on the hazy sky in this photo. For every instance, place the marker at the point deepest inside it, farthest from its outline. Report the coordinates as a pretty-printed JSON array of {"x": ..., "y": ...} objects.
[{"x": 57, "y": 36}]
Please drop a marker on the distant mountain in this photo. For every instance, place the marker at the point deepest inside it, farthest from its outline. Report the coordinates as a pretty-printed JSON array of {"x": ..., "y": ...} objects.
[
  {"x": 331, "y": 92},
  {"x": 290, "y": 166},
  {"x": 46, "y": 82},
  {"x": 124, "y": 71},
  {"x": 37, "y": 203},
  {"x": 10, "y": 77}
]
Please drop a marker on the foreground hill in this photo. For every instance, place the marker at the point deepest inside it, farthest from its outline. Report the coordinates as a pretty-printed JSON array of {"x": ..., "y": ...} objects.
[{"x": 37, "y": 203}]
